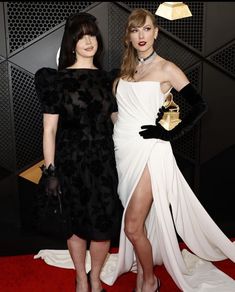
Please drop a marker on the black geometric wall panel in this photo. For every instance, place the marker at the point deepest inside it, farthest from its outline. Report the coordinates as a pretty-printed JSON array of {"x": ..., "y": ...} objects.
[
  {"x": 149, "y": 5},
  {"x": 225, "y": 58},
  {"x": 2, "y": 59},
  {"x": 10, "y": 205},
  {"x": 219, "y": 25},
  {"x": 175, "y": 52},
  {"x": 27, "y": 118},
  {"x": 218, "y": 127},
  {"x": 7, "y": 154},
  {"x": 117, "y": 17},
  {"x": 3, "y": 51},
  {"x": 188, "y": 30},
  {"x": 41, "y": 53},
  {"x": 28, "y": 20},
  {"x": 217, "y": 188}
]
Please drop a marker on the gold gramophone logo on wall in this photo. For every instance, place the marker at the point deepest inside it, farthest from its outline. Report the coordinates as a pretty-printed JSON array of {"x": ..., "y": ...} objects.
[{"x": 173, "y": 10}]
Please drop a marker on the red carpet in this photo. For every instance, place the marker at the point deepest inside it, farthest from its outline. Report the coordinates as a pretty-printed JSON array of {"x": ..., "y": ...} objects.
[{"x": 25, "y": 274}]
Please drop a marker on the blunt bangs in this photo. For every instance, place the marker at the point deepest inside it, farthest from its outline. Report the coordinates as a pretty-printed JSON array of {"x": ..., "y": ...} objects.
[{"x": 88, "y": 28}]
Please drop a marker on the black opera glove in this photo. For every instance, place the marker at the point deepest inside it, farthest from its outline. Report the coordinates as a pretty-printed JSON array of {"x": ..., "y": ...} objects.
[
  {"x": 199, "y": 107},
  {"x": 50, "y": 180}
]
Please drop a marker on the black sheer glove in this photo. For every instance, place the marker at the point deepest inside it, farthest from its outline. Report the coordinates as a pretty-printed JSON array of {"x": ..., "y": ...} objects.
[
  {"x": 50, "y": 180},
  {"x": 199, "y": 107}
]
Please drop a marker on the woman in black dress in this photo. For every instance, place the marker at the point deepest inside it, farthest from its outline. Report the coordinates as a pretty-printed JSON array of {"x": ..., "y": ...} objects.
[{"x": 77, "y": 103}]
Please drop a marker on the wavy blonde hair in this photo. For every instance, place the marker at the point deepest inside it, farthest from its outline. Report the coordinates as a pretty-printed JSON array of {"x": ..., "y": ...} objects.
[{"x": 136, "y": 18}]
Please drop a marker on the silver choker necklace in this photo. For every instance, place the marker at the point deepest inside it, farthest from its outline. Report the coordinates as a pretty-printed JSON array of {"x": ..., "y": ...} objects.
[{"x": 147, "y": 59}]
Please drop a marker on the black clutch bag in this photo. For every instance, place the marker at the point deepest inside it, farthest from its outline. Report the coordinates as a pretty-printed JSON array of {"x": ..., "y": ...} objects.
[{"x": 51, "y": 214}]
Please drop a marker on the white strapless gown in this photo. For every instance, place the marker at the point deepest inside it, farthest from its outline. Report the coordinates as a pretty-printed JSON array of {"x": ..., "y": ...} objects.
[{"x": 138, "y": 103}]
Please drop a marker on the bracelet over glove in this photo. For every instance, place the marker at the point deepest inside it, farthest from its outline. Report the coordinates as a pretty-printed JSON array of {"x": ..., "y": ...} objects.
[
  {"x": 199, "y": 107},
  {"x": 51, "y": 181}
]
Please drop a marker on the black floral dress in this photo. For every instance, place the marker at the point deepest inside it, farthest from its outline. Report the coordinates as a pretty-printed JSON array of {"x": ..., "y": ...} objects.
[{"x": 84, "y": 147}]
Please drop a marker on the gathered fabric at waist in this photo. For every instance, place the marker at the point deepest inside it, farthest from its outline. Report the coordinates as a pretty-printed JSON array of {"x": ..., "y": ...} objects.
[
  {"x": 130, "y": 128},
  {"x": 126, "y": 131}
]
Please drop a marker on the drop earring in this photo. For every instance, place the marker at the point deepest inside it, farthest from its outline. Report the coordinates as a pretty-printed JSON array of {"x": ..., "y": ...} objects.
[{"x": 74, "y": 54}]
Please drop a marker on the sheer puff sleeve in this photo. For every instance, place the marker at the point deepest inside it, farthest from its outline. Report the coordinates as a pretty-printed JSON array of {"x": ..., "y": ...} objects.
[{"x": 45, "y": 80}]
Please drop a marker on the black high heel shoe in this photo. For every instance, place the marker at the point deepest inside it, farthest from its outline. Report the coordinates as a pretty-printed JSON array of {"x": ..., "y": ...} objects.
[
  {"x": 158, "y": 286},
  {"x": 89, "y": 281}
]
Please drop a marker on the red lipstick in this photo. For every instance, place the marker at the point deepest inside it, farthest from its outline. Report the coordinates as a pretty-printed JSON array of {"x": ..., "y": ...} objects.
[{"x": 142, "y": 44}]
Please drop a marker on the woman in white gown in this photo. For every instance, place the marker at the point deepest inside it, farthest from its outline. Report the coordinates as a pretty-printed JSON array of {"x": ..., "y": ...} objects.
[{"x": 150, "y": 181}]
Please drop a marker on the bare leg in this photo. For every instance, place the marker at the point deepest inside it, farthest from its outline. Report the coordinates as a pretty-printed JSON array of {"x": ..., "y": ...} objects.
[
  {"x": 136, "y": 214},
  {"x": 98, "y": 251},
  {"x": 77, "y": 248}
]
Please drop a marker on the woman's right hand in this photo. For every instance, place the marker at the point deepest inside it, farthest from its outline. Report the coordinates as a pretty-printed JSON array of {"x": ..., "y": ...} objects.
[{"x": 51, "y": 181}]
